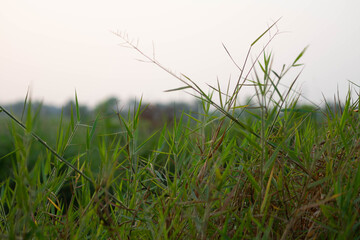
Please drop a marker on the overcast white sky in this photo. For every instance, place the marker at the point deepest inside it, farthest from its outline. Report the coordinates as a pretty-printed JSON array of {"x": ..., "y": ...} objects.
[{"x": 55, "y": 47}]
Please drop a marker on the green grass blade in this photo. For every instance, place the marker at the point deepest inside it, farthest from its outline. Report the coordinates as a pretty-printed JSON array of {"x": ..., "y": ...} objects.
[
  {"x": 77, "y": 108},
  {"x": 178, "y": 89},
  {"x": 299, "y": 56},
  {"x": 253, "y": 181},
  {"x": 268, "y": 29}
]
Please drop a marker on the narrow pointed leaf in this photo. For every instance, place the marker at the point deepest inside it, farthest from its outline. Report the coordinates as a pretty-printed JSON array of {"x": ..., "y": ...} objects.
[
  {"x": 178, "y": 89},
  {"x": 299, "y": 56},
  {"x": 265, "y": 32},
  {"x": 77, "y": 108}
]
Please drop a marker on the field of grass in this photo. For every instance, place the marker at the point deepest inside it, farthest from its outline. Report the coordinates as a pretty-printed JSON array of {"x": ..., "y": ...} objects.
[{"x": 266, "y": 169}]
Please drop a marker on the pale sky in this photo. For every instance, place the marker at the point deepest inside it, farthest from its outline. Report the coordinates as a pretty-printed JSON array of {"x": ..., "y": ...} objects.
[{"x": 55, "y": 47}]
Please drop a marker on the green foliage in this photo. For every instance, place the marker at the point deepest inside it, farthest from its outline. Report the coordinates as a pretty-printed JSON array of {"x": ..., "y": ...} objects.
[{"x": 267, "y": 168}]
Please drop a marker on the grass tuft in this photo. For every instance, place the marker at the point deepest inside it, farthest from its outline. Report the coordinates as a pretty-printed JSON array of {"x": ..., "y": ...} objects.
[{"x": 267, "y": 168}]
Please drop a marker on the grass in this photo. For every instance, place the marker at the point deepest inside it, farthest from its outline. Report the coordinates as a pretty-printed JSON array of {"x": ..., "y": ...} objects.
[{"x": 266, "y": 169}]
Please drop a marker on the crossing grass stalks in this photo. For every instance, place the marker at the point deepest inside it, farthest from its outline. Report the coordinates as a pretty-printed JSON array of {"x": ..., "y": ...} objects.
[{"x": 267, "y": 169}]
